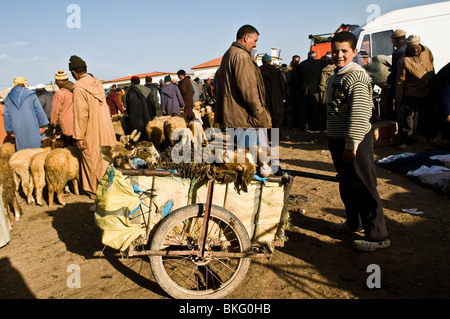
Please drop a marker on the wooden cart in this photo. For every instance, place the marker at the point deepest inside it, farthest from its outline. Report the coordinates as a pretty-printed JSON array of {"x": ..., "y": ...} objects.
[{"x": 203, "y": 250}]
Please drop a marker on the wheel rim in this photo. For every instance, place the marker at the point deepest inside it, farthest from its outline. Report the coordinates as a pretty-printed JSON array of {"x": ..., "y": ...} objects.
[{"x": 195, "y": 275}]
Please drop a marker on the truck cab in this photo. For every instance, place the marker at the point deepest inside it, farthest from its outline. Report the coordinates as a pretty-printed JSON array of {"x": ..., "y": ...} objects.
[{"x": 430, "y": 22}]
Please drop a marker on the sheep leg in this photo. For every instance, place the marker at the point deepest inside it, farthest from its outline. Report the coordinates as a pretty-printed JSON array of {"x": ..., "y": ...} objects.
[
  {"x": 17, "y": 209},
  {"x": 60, "y": 194},
  {"x": 39, "y": 184},
  {"x": 7, "y": 210},
  {"x": 16, "y": 182},
  {"x": 51, "y": 192},
  {"x": 39, "y": 195},
  {"x": 8, "y": 218},
  {"x": 30, "y": 189},
  {"x": 76, "y": 187},
  {"x": 60, "y": 197}
]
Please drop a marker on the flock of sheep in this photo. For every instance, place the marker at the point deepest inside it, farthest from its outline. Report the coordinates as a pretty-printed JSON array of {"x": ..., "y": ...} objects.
[{"x": 52, "y": 165}]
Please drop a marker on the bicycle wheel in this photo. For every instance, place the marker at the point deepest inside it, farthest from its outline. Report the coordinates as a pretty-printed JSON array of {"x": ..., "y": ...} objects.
[{"x": 191, "y": 277}]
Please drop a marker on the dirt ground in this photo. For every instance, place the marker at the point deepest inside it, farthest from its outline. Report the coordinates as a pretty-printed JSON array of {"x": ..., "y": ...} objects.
[{"x": 315, "y": 263}]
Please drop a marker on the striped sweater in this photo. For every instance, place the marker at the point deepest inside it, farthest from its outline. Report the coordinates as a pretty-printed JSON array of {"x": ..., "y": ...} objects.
[{"x": 349, "y": 106}]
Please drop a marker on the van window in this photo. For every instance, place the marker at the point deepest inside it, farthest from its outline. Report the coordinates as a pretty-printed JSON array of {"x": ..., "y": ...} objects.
[
  {"x": 365, "y": 45},
  {"x": 362, "y": 58},
  {"x": 382, "y": 44}
]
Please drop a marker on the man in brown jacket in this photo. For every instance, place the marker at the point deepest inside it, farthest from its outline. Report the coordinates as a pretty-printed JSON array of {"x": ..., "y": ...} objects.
[
  {"x": 240, "y": 99},
  {"x": 240, "y": 91},
  {"x": 187, "y": 92},
  {"x": 92, "y": 126},
  {"x": 412, "y": 93}
]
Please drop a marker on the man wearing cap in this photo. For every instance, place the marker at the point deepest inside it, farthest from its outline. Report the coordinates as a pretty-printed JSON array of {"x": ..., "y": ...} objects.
[
  {"x": 171, "y": 99},
  {"x": 275, "y": 90},
  {"x": 62, "y": 107},
  {"x": 399, "y": 41},
  {"x": 25, "y": 118},
  {"x": 412, "y": 93},
  {"x": 92, "y": 126}
]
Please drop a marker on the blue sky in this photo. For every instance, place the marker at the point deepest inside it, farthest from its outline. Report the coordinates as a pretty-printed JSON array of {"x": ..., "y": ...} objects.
[{"x": 117, "y": 38}]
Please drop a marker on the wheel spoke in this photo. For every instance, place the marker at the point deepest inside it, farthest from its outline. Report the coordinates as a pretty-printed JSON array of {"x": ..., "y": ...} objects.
[{"x": 194, "y": 275}]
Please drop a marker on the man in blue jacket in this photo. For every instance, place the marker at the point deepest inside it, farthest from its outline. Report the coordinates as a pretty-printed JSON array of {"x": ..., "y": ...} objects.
[{"x": 24, "y": 116}]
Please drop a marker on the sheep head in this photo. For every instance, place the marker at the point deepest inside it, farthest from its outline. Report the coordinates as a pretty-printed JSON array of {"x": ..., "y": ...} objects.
[{"x": 117, "y": 155}]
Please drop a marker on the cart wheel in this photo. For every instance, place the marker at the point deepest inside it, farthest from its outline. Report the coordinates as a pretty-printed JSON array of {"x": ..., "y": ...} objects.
[{"x": 191, "y": 277}]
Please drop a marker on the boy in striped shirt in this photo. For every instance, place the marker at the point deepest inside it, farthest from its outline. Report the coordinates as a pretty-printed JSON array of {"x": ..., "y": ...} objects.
[{"x": 349, "y": 109}]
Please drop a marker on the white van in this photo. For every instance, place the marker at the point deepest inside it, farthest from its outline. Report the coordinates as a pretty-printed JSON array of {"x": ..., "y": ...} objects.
[{"x": 431, "y": 22}]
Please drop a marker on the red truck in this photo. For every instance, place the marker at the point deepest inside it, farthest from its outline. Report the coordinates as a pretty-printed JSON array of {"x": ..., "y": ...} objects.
[{"x": 321, "y": 43}]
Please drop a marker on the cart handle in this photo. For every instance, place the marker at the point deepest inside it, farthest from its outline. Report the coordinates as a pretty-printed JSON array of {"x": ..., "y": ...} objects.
[{"x": 312, "y": 175}]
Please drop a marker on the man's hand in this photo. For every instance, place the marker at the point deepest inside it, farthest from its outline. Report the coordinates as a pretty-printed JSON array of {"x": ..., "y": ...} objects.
[
  {"x": 41, "y": 130},
  {"x": 349, "y": 156},
  {"x": 80, "y": 145}
]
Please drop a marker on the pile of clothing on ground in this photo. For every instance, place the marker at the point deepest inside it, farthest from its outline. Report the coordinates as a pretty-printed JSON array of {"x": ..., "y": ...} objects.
[{"x": 430, "y": 169}]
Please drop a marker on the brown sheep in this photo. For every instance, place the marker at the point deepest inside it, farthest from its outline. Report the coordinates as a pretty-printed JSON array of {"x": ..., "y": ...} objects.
[
  {"x": 9, "y": 195},
  {"x": 61, "y": 167},
  {"x": 20, "y": 164},
  {"x": 117, "y": 155},
  {"x": 155, "y": 131},
  {"x": 208, "y": 118},
  {"x": 173, "y": 124},
  {"x": 7, "y": 150},
  {"x": 121, "y": 125},
  {"x": 242, "y": 171},
  {"x": 37, "y": 172},
  {"x": 117, "y": 124}
]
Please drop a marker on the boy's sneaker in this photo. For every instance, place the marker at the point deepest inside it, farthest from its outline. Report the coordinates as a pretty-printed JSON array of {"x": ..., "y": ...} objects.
[{"x": 370, "y": 246}]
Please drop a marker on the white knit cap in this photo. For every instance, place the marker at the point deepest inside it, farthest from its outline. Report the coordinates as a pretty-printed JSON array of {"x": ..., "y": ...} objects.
[{"x": 413, "y": 39}]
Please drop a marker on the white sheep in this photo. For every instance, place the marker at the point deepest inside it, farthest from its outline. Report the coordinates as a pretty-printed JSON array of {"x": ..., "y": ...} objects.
[
  {"x": 196, "y": 127},
  {"x": 20, "y": 164}
]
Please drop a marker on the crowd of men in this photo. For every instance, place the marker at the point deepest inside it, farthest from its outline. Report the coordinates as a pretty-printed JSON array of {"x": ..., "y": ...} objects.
[{"x": 409, "y": 90}]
